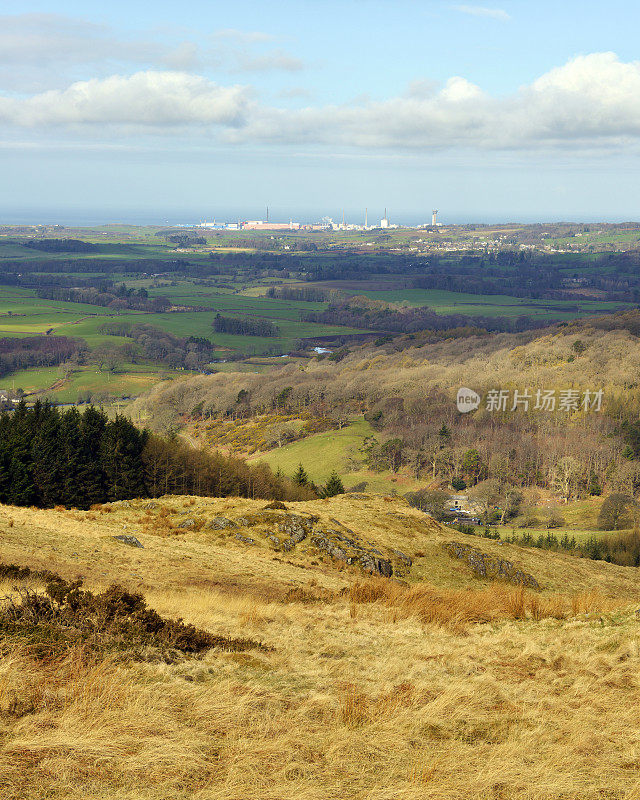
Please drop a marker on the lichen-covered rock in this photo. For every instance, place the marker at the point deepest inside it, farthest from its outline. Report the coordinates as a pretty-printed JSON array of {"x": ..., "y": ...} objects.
[
  {"x": 351, "y": 551},
  {"x": 488, "y": 566},
  {"x": 130, "y": 540},
  {"x": 277, "y": 505},
  {"x": 376, "y": 565},
  {"x": 296, "y": 528},
  {"x": 221, "y": 523},
  {"x": 187, "y": 523},
  {"x": 245, "y": 539}
]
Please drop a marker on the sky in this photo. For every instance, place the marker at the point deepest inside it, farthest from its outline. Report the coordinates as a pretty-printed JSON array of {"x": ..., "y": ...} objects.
[{"x": 490, "y": 112}]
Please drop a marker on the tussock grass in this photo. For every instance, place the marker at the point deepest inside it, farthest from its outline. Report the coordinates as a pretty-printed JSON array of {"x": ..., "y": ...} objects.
[
  {"x": 455, "y": 610},
  {"x": 369, "y": 693}
]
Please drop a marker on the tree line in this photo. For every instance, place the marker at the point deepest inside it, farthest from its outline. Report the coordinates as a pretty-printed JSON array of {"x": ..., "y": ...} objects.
[
  {"x": 414, "y": 320},
  {"x": 134, "y": 299},
  {"x": 150, "y": 342},
  {"x": 60, "y": 245},
  {"x": 244, "y": 326},
  {"x": 36, "y": 351},
  {"x": 304, "y": 294},
  {"x": 50, "y": 457}
]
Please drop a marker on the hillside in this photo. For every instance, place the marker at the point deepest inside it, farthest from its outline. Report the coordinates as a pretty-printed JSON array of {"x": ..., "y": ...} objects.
[
  {"x": 432, "y": 683},
  {"x": 386, "y": 406}
]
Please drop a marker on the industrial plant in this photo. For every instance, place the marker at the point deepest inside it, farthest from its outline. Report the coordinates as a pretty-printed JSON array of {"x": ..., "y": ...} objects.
[{"x": 325, "y": 224}]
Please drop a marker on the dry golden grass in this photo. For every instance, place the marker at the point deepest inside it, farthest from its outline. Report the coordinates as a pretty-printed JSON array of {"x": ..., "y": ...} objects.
[
  {"x": 374, "y": 690},
  {"x": 455, "y": 609}
]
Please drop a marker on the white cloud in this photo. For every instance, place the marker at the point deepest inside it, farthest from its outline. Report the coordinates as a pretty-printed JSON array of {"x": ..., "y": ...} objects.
[
  {"x": 482, "y": 11},
  {"x": 146, "y": 99},
  {"x": 591, "y": 101},
  {"x": 52, "y": 39}
]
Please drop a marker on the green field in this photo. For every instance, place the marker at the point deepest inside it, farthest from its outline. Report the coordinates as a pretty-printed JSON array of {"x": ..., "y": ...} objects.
[
  {"x": 66, "y": 385},
  {"x": 24, "y": 314},
  {"x": 239, "y": 293},
  {"x": 491, "y": 305},
  {"x": 323, "y": 453}
]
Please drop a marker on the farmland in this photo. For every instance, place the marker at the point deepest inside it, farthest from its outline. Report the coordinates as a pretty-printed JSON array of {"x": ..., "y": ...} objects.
[{"x": 230, "y": 274}]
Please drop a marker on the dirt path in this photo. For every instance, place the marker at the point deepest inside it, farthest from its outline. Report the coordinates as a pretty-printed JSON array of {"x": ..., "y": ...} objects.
[{"x": 58, "y": 384}]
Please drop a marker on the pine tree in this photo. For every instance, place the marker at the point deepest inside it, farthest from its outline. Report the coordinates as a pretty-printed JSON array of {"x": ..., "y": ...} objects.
[
  {"x": 71, "y": 489},
  {"x": 121, "y": 457},
  {"x": 21, "y": 489},
  {"x": 90, "y": 474},
  {"x": 444, "y": 434},
  {"x": 333, "y": 486},
  {"x": 300, "y": 477},
  {"x": 5, "y": 457},
  {"x": 47, "y": 461}
]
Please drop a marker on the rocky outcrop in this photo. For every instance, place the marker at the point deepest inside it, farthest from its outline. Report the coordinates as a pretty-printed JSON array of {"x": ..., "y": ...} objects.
[
  {"x": 220, "y": 523},
  {"x": 285, "y": 531},
  {"x": 348, "y": 549},
  {"x": 295, "y": 528},
  {"x": 130, "y": 540},
  {"x": 488, "y": 566}
]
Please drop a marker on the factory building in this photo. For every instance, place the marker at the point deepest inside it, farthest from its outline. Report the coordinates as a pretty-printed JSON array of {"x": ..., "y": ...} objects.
[{"x": 261, "y": 225}]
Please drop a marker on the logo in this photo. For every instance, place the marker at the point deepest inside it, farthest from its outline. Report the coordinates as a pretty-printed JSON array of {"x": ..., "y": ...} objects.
[{"x": 467, "y": 400}]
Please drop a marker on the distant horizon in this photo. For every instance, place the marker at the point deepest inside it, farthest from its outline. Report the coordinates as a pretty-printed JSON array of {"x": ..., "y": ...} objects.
[{"x": 92, "y": 219}]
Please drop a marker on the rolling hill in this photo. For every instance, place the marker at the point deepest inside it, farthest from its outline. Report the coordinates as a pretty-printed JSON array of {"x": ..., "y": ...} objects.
[{"x": 434, "y": 682}]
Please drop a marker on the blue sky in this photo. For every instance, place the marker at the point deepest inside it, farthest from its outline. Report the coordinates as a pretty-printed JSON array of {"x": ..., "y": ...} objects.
[{"x": 488, "y": 111}]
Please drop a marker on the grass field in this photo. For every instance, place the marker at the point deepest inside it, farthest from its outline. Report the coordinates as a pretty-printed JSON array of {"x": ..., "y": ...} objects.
[
  {"x": 337, "y": 450},
  {"x": 24, "y": 314},
  {"x": 65, "y": 385},
  {"x": 450, "y": 687},
  {"x": 443, "y": 302}
]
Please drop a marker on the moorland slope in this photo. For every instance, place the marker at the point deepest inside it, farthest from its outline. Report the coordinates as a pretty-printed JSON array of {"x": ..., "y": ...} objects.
[{"x": 436, "y": 682}]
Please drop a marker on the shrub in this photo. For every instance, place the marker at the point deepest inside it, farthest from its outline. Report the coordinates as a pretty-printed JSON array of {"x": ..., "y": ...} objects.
[{"x": 67, "y": 615}]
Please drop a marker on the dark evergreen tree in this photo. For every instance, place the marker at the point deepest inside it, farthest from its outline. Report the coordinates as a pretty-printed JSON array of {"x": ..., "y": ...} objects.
[
  {"x": 49, "y": 457},
  {"x": 333, "y": 486},
  {"x": 22, "y": 489},
  {"x": 121, "y": 456},
  {"x": 5, "y": 458},
  {"x": 72, "y": 490},
  {"x": 46, "y": 455},
  {"x": 300, "y": 477},
  {"x": 91, "y": 473}
]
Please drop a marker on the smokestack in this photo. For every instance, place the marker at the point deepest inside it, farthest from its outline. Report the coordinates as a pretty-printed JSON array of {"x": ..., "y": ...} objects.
[
  {"x": 366, "y": 218},
  {"x": 267, "y": 213},
  {"x": 434, "y": 217}
]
